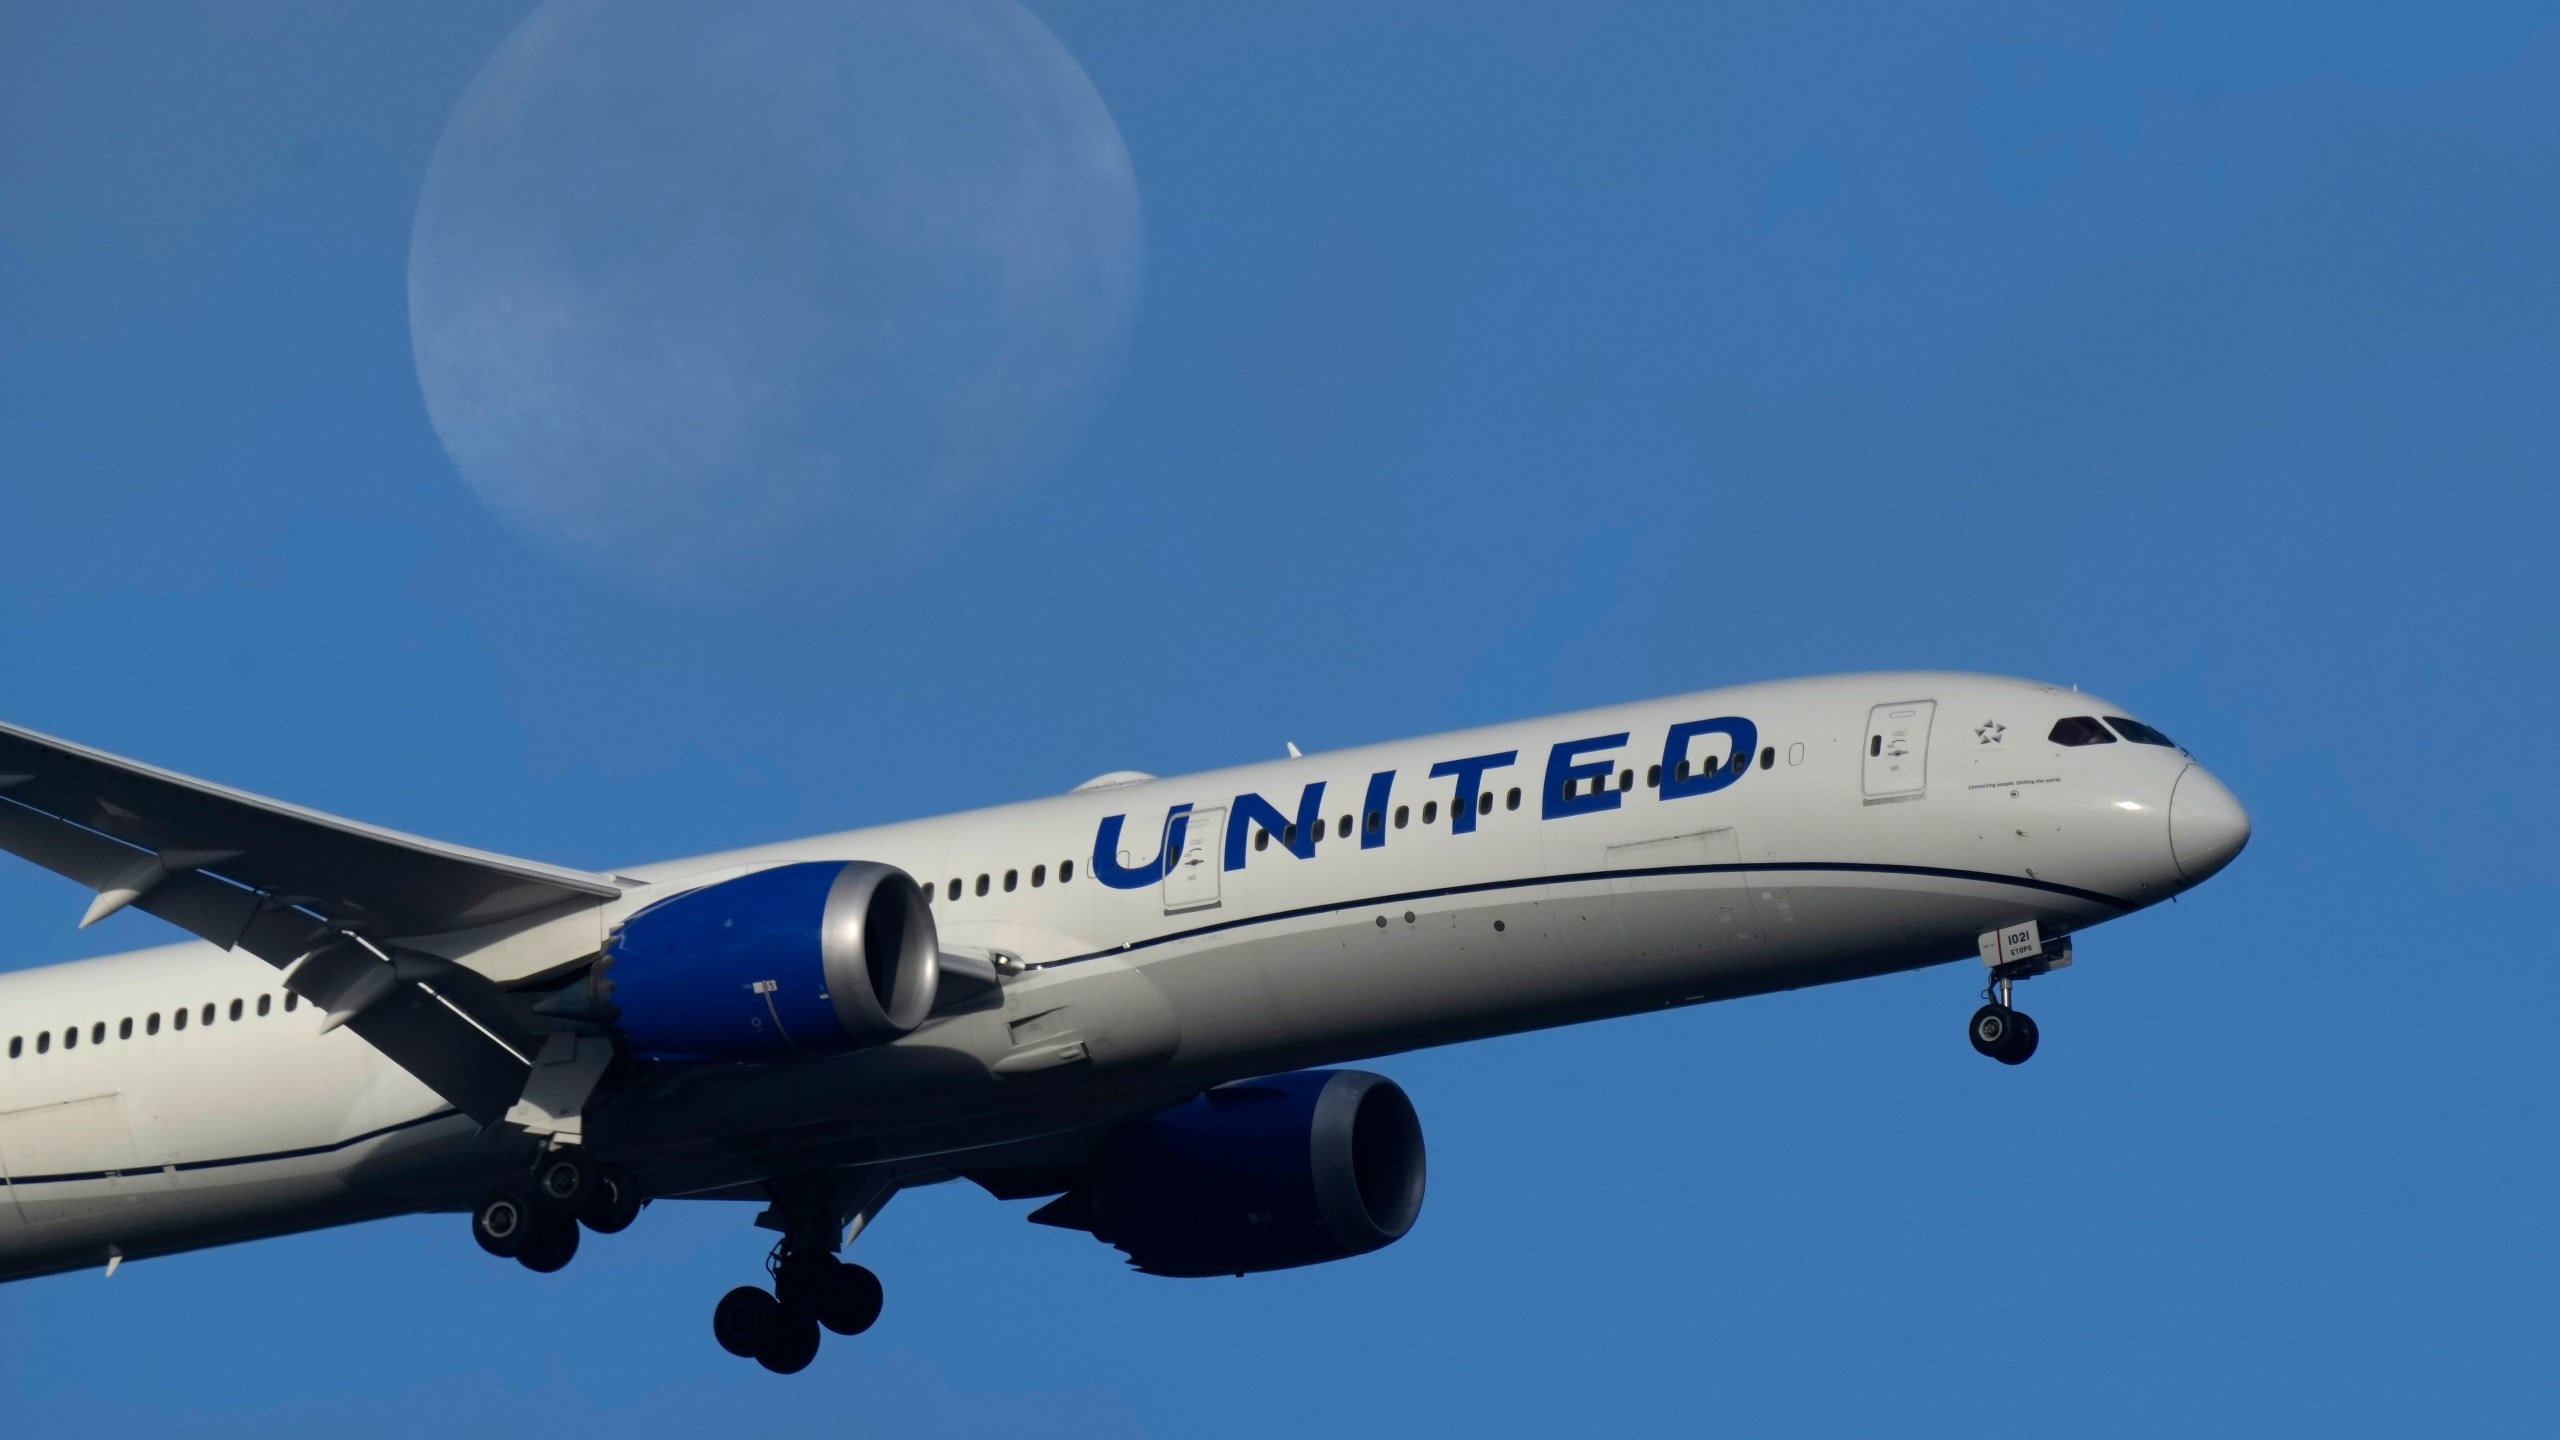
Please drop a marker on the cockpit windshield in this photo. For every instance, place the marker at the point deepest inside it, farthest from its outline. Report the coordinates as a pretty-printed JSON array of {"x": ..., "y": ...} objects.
[
  {"x": 2080, "y": 730},
  {"x": 2139, "y": 733}
]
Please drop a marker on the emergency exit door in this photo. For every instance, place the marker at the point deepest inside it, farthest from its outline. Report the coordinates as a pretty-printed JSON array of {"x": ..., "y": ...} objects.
[{"x": 1898, "y": 749}]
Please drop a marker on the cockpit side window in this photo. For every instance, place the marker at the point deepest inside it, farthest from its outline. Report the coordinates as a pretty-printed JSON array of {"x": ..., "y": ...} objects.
[
  {"x": 2080, "y": 730},
  {"x": 2139, "y": 733}
]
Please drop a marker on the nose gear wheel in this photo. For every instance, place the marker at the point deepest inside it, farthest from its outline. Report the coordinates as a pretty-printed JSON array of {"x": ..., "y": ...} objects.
[{"x": 2006, "y": 1035}]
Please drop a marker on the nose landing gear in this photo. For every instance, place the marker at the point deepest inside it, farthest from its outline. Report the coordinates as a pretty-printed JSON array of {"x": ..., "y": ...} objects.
[{"x": 1998, "y": 1029}]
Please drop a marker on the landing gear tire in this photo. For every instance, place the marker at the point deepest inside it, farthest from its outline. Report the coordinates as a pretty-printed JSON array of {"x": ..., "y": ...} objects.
[
  {"x": 2026, "y": 1042},
  {"x": 616, "y": 1202},
  {"x": 752, "y": 1325},
  {"x": 2006, "y": 1035},
  {"x": 552, "y": 1245},
  {"x": 744, "y": 1320},
  {"x": 839, "y": 1295},
  {"x": 565, "y": 1182},
  {"x": 852, "y": 1302},
  {"x": 790, "y": 1348},
  {"x": 503, "y": 1221}
]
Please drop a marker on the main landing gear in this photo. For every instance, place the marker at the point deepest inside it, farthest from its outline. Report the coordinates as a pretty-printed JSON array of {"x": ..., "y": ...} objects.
[
  {"x": 812, "y": 1290},
  {"x": 536, "y": 1223}
]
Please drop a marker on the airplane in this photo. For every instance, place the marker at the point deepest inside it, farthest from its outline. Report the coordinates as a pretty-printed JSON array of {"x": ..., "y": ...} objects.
[{"x": 1133, "y": 1000}]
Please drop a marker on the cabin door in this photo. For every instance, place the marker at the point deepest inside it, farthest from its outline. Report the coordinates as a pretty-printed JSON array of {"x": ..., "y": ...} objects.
[
  {"x": 1191, "y": 859},
  {"x": 1897, "y": 750}
]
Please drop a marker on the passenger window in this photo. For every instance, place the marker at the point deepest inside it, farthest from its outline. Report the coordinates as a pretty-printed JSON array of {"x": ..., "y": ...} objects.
[
  {"x": 263, "y": 1002},
  {"x": 1626, "y": 779},
  {"x": 1011, "y": 879},
  {"x": 955, "y": 887},
  {"x": 1289, "y": 833},
  {"x": 1768, "y": 757},
  {"x": 1875, "y": 744},
  {"x": 124, "y": 1028},
  {"x": 208, "y": 1012},
  {"x": 1430, "y": 811},
  {"x": 1377, "y": 821},
  {"x": 1681, "y": 772},
  {"x": 2079, "y": 730},
  {"x": 151, "y": 1025},
  {"x": 178, "y": 1020},
  {"x": 291, "y": 1000},
  {"x": 1261, "y": 838},
  {"x": 1343, "y": 830},
  {"x": 1484, "y": 803},
  {"x": 98, "y": 1033},
  {"x": 1066, "y": 871},
  {"x": 1653, "y": 777},
  {"x": 982, "y": 884},
  {"x": 1401, "y": 812},
  {"x": 71, "y": 1038},
  {"x": 44, "y": 1041},
  {"x": 1039, "y": 876},
  {"x": 1512, "y": 800},
  {"x": 235, "y": 1009},
  {"x": 2139, "y": 733}
]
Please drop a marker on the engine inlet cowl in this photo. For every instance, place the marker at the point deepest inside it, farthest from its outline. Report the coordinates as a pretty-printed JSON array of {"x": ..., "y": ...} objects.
[
  {"x": 799, "y": 959},
  {"x": 1265, "y": 1174}
]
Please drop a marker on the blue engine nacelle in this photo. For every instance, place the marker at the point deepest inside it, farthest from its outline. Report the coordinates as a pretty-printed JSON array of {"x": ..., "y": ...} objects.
[
  {"x": 1259, "y": 1175},
  {"x": 799, "y": 959}
]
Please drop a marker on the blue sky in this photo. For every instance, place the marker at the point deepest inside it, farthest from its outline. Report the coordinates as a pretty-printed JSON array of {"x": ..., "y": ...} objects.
[{"x": 1490, "y": 363}]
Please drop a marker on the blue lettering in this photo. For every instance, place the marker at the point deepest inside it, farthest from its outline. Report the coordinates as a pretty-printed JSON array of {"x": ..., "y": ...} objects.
[
  {"x": 1373, "y": 811},
  {"x": 1564, "y": 778},
  {"x": 1705, "y": 779},
  {"x": 1470, "y": 773},
  {"x": 1298, "y": 836},
  {"x": 1106, "y": 851}
]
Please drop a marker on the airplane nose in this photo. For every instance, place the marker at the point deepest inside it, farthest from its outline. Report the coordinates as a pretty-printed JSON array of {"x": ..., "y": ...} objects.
[{"x": 2207, "y": 827}]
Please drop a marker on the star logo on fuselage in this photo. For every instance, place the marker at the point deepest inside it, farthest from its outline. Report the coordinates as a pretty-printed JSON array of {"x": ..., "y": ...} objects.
[{"x": 1990, "y": 731}]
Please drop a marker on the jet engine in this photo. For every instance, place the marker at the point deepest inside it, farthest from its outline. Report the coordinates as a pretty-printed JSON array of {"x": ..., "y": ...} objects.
[
  {"x": 799, "y": 959},
  {"x": 1260, "y": 1175}
]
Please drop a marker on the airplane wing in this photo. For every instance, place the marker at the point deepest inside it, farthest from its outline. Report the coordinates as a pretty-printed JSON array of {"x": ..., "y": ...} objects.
[{"x": 328, "y": 900}]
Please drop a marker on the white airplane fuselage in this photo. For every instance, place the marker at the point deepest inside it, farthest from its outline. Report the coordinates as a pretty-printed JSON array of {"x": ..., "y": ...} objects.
[{"x": 1876, "y": 823}]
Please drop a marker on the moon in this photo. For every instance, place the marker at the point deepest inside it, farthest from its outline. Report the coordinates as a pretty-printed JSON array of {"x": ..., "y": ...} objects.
[{"x": 762, "y": 301}]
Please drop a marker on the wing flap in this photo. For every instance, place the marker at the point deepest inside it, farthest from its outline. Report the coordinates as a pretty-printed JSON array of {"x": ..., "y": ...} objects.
[{"x": 324, "y": 899}]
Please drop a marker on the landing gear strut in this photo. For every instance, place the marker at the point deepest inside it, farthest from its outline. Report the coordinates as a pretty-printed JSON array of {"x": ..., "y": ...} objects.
[
  {"x": 812, "y": 1288},
  {"x": 536, "y": 1223}
]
